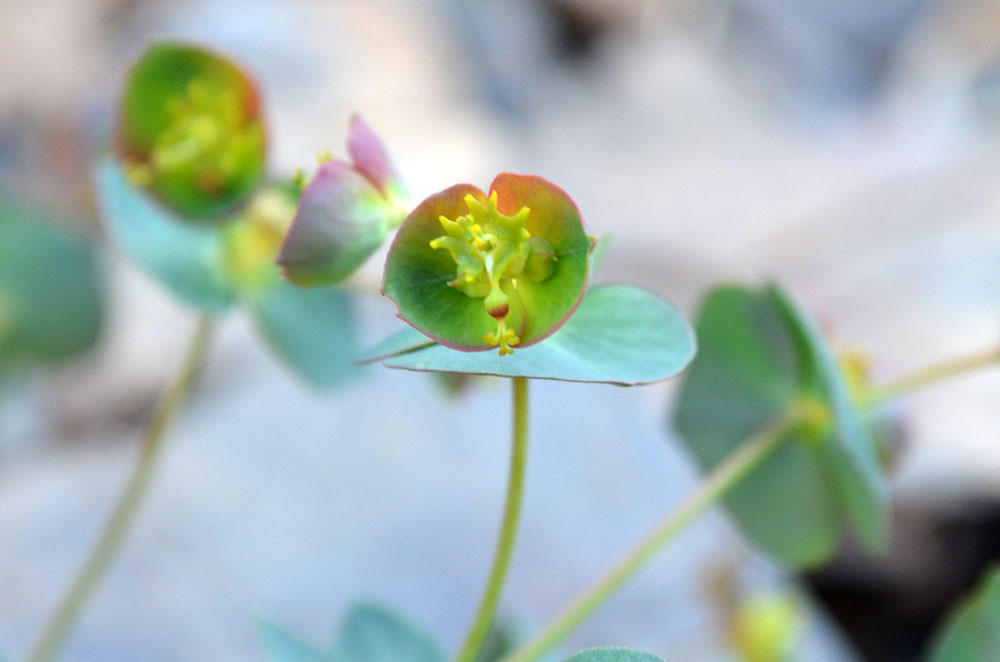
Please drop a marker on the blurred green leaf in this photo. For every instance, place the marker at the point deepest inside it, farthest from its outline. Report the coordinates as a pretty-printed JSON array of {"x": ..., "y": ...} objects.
[
  {"x": 372, "y": 634},
  {"x": 758, "y": 357},
  {"x": 312, "y": 330},
  {"x": 972, "y": 632},
  {"x": 619, "y": 335},
  {"x": 187, "y": 259},
  {"x": 280, "y": 646},
  {"x": 51, "y": 297},
  {"x": 852, "y": 453},
  {"x": 614, "y": 655}
]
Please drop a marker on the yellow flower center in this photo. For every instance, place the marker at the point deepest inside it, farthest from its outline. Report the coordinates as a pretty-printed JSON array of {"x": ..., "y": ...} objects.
[
  {"x": 207, "y": 134},
  {"x": 491, "y": 251},
  {"x": 254, "y": 239}
]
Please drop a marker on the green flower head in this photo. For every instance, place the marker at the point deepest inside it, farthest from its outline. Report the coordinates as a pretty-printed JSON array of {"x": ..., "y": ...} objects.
[
  {"x": 190, "y": 130},
  {"x": 477, "y": 271}
]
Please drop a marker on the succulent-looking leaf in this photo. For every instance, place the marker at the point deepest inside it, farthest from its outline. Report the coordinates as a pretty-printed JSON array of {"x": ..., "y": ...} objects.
[
  {"x": 345, "y": 213},
  {"x": 190, "y": 129},
  {"x": 972, "y": 632},
  {"x": 614, "y": 655},
  {"x": 370, "y": 633},
  {"x": 619, "y": 335},
  {"x": 476, "y": 271},
  {"x": 280, "y": 646},
  {"x": 312, "y": 330},
  {"x": 759, "y": 356},
  {"x": 188, "y": 259},
  {"x": 51, "y": 298}
]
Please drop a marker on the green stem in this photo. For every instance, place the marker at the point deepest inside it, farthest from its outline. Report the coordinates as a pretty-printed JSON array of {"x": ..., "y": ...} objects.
[
  {"x": 508, "y": 529},
  {"x": 933, "y": 374},
  {"x": 725, "y": 476},
  {"x": 61, "y": 622}
]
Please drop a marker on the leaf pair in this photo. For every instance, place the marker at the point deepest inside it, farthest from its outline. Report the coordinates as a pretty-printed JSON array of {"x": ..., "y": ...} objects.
[
  {"x": 372, "y": 634},
  {"x": 759, "y": 358},
  {"x": 619, "y": 335}
]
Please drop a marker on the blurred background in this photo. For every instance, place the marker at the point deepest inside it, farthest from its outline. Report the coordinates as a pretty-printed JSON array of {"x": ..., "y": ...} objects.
[{"x": 850, "y": 149}]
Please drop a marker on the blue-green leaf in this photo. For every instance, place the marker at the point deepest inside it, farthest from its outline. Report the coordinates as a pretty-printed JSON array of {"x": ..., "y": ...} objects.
[
  {"x": 972, "y": 632},
  {"x": 619, "y": 335},
  {"x": 372, "y": 634},
  {"x": 853, "y": 454},
  {"x": 186, "y": 258},
  {"x": 312, "y": 330},
  {"x": 51, "y": 297},
  {"x": 614, "y": 655},
  {"x": 280, "y": 646},
  {"x": 759, "y": 356}
]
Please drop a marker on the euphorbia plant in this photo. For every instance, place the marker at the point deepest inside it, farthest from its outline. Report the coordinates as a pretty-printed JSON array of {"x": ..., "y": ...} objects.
[
  {"x": 495, "y": 284},
  {"x": 189, "y": 199}
]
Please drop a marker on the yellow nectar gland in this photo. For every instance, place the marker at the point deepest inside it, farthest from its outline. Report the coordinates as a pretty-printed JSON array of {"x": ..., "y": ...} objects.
[
  {"x": 254, "y": 240},
  {"x": 490, "y": 250}
]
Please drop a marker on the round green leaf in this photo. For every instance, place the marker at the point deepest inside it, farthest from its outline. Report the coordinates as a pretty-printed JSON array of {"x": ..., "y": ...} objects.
[
  {"x": 972, "y": 632},
  {"x": 190, "y": 129},
  {"x": 51, "y": 297},
  {"x": 189, "y": 260},
  {"x": 614, "y": 655},
  {"x": 619, "y": 335},
  {"x": 312, "y": 330},
  {"x": 758, "y": 357},
  {"x": 417, "y": 276}
]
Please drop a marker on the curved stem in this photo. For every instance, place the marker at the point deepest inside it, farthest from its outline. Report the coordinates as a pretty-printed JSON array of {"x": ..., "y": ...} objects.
[
  {"x": 61, "y": 622},
  {"x": 725, "y": 476},
  {"x": 508, "y": 529},
  {"x": 933, "y": 374}
]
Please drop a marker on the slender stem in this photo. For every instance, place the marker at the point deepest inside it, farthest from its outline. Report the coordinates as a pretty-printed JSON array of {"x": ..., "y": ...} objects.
[
  {"x": 61, "y": 622},
  {"x": 508, "y": 529},
  {"x": 725, "y": 476},
  {"x": 933, "y": 374}
]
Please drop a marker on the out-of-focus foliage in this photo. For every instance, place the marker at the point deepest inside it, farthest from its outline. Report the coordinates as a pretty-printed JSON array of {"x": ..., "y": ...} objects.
[
  {"x": 368, "y": 633},
  {"x": 619, "y": 335},
  {"x": 972, "y": 633},
  {"x": 759, "y": 359},
  {"x": 614, "y": 655},
  {"x": 51, "y": 296},
  {"x": 211, "y": 267}
]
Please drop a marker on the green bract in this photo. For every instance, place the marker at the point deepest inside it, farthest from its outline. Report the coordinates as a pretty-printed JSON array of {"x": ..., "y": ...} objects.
[
  {"x": 190, "y": 130},
  {"x": 210, "y": 267},
  {"x": 477, "y": 271},
  {"x": 972, "y": 632},
  {"x": 345, "y": 213},
  {"x": 51, "y": 299},
  {"x": 759, "y": 358},
  {"x": 619, "y": 335}
]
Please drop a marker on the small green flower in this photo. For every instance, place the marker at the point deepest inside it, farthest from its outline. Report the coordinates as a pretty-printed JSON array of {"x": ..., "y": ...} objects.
[
  {"x": 190, "y": 130},
  {"x": 477, "y": 271}
]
